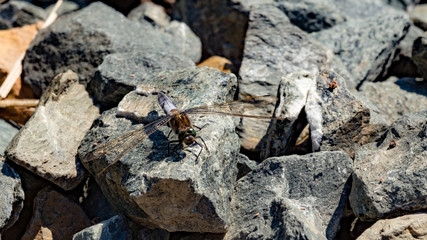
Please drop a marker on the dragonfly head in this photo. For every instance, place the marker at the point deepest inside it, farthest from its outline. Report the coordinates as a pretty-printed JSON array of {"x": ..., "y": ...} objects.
[{"x": 187, "y": 136}]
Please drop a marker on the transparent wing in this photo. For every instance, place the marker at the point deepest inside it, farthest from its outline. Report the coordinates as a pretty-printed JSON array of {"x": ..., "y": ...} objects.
[
  {"x": 235, "y": 108},
  {"x": 124, "y": 144}
]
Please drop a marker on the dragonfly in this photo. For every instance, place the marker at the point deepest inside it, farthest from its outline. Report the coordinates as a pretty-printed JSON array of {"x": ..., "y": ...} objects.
[{"x": 179, "y": 122}]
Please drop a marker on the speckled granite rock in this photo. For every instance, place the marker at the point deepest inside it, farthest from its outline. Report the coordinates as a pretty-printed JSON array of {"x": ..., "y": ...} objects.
[
  {"x": 12, "y": 196},
  {"x": 47, "y": 144},
  {"x": 292, "y": 197},
  {"x": 175, "y": 192},
  {"x": 389, "y": 175}
]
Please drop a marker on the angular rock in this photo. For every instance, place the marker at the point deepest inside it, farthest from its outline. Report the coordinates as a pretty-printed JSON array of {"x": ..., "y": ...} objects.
[
  {"x": 20, "y": 13},
  {"x": 389, "y": 175},
  {"x": 175, "y": 192},
  {"x": 273, "y": 48},
  {"x": 292, "y": 197},
  {"x": 396, "y": 97},
  {"x": 366, "y": 46},
  {"x": 244, "y": 165},
  {"x": 12, "y": 196},
  {"x": 413, "y": 226},
  {"x": 80, "y": 41},
  {"x": 220, "y": 24},
  {"x": 7, "y": 132},
  {"x": 110, "y": 83},
  {"x": 55, "y": 217},
  {"x": 403, "y": 64},
  {"x": 419, "y": 55},
  {"x": 47, "y": 144},
  {"x": 149, "y": 13},
  {"x": 419, "y": 16},
  {"x": 115, "y": 228},
  {"x": 338, "y": 121}
]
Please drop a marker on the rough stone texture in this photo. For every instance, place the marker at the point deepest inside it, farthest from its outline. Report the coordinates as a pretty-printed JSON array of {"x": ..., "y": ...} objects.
[
  {"x": 55, "y": 217},
  {"x": 115, "y": 228},
  {"x": 149, "y": 13},
  {"x": 390, "y": 175},
  {"x": 419, "y": 55},
  {"x": 80, "y": 41},
  {"x": 47, "y": 144},
  {"x": 94, "y": 203},
  {"x": 173, "y": 192},
  {"x": 396, "y": 97},
  {"x": 220, "y": 24},
  {"x": 12, "y": 196},
  {"x": 7, "y": 132},
  {"x": 413, "y": 226},
  {"x": 20, "y": 13},
  {"x": 366, "y": 46},
  {"x": 292, "y": 197},
  {"x": 110, "y": 83},
  {"x": 244, "y": 165},
  {"x": 273, "y": 48},
  {"x": 338, "y": 121},
  {"x": 419, "y": 16}
]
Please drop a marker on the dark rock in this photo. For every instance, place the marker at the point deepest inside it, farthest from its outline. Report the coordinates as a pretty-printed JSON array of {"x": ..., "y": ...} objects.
[
  {"x": 20, "y": 13},
  {"x": 110, "y": 83},
  {"x": 389, "y": 175},
  {"x": 220, "y": 25},
  {"x": 55, "y": 217},
  {"x": 179, "y": 192},
  {"x": 12, "y": 198},
  {"x": 80, "y": 41},
  {"x": 338, "y": 121},
  {"x": 7, "y": 132},
  {"x": 403, "y": 65},
  {"x": 273, "y": 48},
  {"x": 94, "y": 203},
  {"x": 47, "y": 144},
  {"x": 244, "y": 165},
  {"x": 396, "y": 97},
  {"x": 366, "y": 46},
  {"x": 419, "y": 55},
  {"x": 401, "y": 4},
  {"x": 292, "y": 197},
  {"x": 115, "y": 228}
]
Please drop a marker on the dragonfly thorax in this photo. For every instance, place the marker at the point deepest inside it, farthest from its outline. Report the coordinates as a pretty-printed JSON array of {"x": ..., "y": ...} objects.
[{"x": 187, "y": 136}]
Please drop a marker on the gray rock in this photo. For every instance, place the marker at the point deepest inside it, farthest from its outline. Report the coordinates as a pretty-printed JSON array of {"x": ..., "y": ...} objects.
[
  {"x": 390, "y": 175},
  {"x": 419, "y": 55},
  {"x": 66, "y": 7},
  {"x": 149, "y": 12},
  {"x": 12, "y": 196},
  {"x": 175, "y": 192},
  {"x": 396, "y": 97},
  {"x": 80, "y": 41},
  {"x": 366, "y": 46},
  {"x": 114, "y": 228},
  {"x": 7, "y": 132},
  {"x": 419, "y": 16},
  {"x": 401, "y": 4},
  {"x": 20, "y": 13},
  {"x": 292, "y": 197},
  {"x": 403, "y": 64},
  {"x": 244, "y": 165},
  {"x": 273, "y": 48},
  {"x": 94, "y": 203},
  {"x": 110, "y": 83},
  {"x": 220, "y": 24},
  {"x": 47, "y": 144},
  {"x": 338, "y": 121}
]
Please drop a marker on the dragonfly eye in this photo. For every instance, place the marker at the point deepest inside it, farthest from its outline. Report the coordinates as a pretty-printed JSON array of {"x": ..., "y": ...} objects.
[{"x": 192, "y": 131}]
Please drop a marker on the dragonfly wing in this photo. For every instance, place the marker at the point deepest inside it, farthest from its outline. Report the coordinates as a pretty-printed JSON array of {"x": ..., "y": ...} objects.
[
  {"x": 124, "y": 144},
  {"x": 234, "y": 108}
]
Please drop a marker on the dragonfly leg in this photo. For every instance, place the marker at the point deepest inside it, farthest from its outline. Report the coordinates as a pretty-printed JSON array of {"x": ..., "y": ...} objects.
[
  {"x": 169, "y": 133},
  {"x": 174, "y": 149},
  {"x": 200, "y": 128},
  {"x": 206, "y": 146}
]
